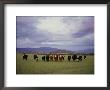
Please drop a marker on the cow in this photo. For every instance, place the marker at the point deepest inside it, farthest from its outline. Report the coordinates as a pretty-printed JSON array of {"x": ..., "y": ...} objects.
[
  {"x": 69, "y": 58},
  {"x": 79, "y": 58},
  {"x": 61, "y": 57},
  {"x": 47, "y": 58},
  {"x": 84, "y": 56},
  {"x": 35, "y": 57},
  {"x": 43, "y": 58},
  {"x": 74, "y": 57},
  {"x": 56, "y": 58},
  {"x": 25, "y": 57},
  {"x": 51, "y": 57}
]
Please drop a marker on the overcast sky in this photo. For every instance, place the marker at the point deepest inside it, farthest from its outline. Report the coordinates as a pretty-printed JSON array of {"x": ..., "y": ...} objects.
[{"x": 71, "y": 33}]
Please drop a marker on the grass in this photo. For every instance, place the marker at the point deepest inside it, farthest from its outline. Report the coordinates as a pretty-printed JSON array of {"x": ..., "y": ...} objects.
[{"x": 65, "y": 67}]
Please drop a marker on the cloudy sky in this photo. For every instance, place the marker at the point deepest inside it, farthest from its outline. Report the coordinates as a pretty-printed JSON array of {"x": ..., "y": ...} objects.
[{"x": 63, "y": 32}]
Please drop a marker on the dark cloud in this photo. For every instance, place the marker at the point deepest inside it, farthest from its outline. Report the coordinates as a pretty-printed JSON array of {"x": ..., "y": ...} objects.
[
  {"x": 26, "y": 29},
  {"x": 83, "y": 32}
]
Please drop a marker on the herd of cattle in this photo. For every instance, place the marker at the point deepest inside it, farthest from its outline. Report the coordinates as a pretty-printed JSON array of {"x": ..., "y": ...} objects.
[{"x": 56, "y": 57}]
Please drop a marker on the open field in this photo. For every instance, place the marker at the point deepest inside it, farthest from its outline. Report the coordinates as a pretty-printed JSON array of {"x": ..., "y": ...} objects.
[{"x": 65, "y": 67}]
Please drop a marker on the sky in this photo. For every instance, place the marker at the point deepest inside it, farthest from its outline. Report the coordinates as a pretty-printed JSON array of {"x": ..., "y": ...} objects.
[{"x": 62, "y": 32}]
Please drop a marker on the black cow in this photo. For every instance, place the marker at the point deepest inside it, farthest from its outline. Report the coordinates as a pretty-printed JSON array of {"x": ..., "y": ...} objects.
[
  {"x": 25, "y": 57},
  {"x": 35, "y": 57},
  {"x": 43, "y": 58},
  {"x": 74, "y": 57},
  {"x": 47, "y": 58},
  {"x": 69, "y": 58},
  {"x": 80, "y": 58},
  {"x": 63, "y": 57},
  {"x": 84, "y": 56}
]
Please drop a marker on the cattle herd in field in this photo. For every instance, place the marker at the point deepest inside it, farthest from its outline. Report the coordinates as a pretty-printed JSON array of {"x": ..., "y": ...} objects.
[{"x": 56, "y": 57}]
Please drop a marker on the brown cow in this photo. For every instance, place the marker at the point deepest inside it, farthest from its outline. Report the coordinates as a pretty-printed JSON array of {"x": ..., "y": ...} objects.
[
  {"x": 56, "y": 57},
  {"x": 60, "y": 57},
  {"x": 51, "y": 57}
]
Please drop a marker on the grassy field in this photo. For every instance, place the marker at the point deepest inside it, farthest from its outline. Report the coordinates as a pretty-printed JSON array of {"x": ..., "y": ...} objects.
[{"x": 65, "y": 67}]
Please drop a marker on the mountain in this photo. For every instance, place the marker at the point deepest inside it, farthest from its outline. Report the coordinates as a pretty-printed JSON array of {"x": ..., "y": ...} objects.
[
  {"x": 86, "y": 51},
  {"x": 34, "y": 50},
  {"x": 46, "y": 50}
]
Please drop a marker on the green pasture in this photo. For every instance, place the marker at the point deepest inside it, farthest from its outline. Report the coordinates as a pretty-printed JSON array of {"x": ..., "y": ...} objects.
[{"x": 65, "y": 67}]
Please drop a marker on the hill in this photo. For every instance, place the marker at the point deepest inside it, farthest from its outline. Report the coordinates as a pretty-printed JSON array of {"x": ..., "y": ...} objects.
[{"x": 47, "y": 50}]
